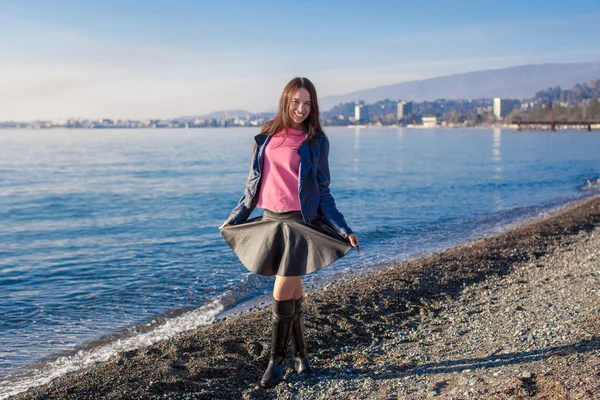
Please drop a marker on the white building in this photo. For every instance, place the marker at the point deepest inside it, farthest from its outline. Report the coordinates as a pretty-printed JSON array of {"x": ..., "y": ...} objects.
[
  {"x": 404, "y": 109},
  {"x": 361, "y": 113},
  {"x": 429, "y": 122},
  {"x": 503, "y": 107},
  {"x": 497, "y": 108}
]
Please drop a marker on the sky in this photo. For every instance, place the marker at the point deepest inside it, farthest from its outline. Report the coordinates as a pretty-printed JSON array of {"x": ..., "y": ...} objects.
[{"x": 130, "y": 59}]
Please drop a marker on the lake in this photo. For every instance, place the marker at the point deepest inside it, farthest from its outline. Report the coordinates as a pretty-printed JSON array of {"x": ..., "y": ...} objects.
[{"x": 109, "y": 239}]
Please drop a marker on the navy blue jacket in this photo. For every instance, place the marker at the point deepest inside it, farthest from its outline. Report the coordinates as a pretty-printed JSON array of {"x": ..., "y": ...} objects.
[{"x": 316, "y": 200}]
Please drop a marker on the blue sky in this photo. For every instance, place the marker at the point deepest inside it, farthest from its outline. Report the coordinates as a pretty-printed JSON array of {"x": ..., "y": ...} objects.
[{"x": 163, "y": 59}]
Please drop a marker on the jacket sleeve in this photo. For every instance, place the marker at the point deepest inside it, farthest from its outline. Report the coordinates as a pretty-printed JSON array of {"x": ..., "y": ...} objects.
[
  {"x": 327, "y": 206},
  {"x": 240, "y": 213},
  {"x": 248, "y": 202}
]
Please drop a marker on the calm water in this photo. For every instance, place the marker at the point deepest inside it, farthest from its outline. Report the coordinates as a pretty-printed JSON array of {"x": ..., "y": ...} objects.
[{"x": 114, "y": 232}]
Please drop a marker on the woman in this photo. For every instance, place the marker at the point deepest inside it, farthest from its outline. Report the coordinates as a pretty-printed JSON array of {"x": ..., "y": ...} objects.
[{"x": 301, "y": 230}]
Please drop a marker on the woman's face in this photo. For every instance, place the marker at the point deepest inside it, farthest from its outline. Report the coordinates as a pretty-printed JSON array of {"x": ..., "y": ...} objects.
[{"x": 300, "y": 107}]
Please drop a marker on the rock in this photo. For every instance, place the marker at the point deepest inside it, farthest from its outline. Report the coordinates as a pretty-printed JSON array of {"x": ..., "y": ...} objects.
[
  {"x": 474, "y": 381},
  {"x": 129, "y": 354},
  {"x": 526, "y": 375},
  {"x": 153, "y": 350},
  {"x": 177, "y": 364}
]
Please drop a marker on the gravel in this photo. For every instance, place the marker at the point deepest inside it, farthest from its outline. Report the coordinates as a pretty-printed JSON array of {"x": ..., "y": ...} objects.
[{"x": 506, "y": 317}]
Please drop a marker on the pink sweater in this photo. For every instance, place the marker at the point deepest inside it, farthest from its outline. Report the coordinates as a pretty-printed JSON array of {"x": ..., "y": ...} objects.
[{"x": 279, "y": 186}]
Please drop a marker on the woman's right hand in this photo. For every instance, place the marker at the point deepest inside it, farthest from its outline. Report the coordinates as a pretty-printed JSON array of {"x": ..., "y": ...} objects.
[{"x": 224, "y": 225}]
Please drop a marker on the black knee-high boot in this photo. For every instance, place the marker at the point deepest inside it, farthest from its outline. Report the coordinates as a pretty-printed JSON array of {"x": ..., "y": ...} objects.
[
  {"x": 301, "y": 364},
  {"x": 282, "y": 321}
]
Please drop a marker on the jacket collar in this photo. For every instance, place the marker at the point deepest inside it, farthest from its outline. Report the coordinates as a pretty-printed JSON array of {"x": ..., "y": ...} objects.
[{"x": 261, "y": 139}]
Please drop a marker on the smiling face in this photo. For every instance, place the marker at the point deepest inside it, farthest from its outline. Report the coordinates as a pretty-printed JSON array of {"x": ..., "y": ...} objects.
[{"x": 300, "y": 107}]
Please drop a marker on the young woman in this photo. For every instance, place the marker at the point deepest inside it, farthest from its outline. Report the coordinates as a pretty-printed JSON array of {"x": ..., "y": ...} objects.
[{"x": 301, "y": 230}]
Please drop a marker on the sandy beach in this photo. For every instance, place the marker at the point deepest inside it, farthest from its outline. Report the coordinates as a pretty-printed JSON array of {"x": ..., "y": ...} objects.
[{"x": 505, "y": 317}]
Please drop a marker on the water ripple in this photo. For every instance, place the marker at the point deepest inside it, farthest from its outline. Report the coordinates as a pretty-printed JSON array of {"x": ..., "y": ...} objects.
[{"x": 104, "y": 231}]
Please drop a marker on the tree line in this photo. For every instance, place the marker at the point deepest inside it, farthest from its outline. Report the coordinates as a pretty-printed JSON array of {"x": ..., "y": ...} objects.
[{"x": 579, "y": 94}]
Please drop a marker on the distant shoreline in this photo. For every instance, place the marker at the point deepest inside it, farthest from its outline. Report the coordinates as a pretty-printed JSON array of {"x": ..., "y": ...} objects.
[{"x": 419, "y": 127}]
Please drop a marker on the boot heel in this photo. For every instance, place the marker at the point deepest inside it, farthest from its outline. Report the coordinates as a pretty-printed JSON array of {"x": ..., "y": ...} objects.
[{"x": 274, "y": 373}]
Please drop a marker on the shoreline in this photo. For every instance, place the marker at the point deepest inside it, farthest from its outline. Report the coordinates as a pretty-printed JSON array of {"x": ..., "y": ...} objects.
[
  {"x": 224, "y": 306},
  {"x": 227, "y": 358}
]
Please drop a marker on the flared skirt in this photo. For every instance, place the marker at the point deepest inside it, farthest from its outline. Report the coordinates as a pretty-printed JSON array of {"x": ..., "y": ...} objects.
[{"x": 281, "y": 243}]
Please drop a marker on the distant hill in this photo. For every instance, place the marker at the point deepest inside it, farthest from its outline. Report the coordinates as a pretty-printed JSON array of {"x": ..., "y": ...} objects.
[
  {"x": 581, "y": 93},
  {"x": 513, "y": 82},
  {"x": 219, "y": 115}
]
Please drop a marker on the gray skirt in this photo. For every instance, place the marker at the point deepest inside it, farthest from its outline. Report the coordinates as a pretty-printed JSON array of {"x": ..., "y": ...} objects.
[{"x": 281, "y": 243}]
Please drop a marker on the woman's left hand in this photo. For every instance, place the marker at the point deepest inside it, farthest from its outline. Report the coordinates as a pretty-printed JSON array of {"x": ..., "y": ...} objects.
[{"x": 354, "y": 241}]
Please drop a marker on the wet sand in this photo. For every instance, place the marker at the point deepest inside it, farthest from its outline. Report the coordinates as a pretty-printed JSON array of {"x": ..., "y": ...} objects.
[{"x": 509, "y": 316}]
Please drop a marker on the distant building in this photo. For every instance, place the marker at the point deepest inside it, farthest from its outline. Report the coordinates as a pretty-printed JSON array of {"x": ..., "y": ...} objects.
[
  {"x": 503, "y": 107},
  {"x": 527, "y": 106},
  {"x": 404, "y": 109},
  {"x": 497, "y": 107},
  {"x": 429, "y": 122},
  {"x": 361, "y": 113}
]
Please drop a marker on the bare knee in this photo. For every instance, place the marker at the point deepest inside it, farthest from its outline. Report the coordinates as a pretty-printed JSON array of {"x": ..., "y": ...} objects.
[
  {"x": 286, "y": 287},
  {"x": 298, "y": 291}
]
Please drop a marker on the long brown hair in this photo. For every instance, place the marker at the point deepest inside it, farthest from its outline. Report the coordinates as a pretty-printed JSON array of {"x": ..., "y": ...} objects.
[{"x": 282, "y": 120}]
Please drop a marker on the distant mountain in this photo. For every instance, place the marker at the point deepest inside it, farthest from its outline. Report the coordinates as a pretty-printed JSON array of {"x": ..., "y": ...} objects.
[
  {"x": 513, "y": 82},
  {"x": 219, "y": 115}
]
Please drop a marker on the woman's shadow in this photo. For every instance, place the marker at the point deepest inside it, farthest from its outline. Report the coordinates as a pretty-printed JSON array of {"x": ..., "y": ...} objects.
[{"x": 496, "y": 360}]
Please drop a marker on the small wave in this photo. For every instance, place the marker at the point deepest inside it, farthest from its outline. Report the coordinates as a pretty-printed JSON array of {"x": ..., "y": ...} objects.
[
  {"x": 591, "y": 185},
  {"x": 45, "y": 373}
]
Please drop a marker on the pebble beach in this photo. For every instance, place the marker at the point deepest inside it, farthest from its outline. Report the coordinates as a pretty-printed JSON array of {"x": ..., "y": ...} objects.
[{"x": 510, "y": 316}]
